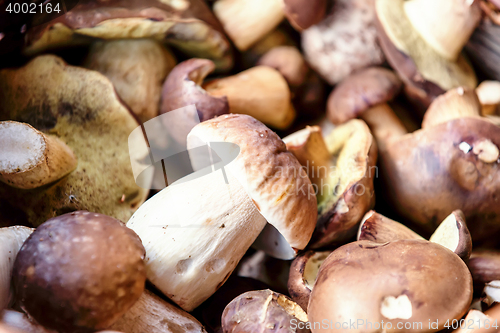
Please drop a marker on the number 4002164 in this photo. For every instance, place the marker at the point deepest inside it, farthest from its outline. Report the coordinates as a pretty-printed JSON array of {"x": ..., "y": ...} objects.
[{"x": 33, "y": 8}]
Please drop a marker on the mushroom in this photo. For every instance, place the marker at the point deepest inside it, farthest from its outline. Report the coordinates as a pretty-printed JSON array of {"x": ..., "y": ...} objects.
[
  {"x": 451, "y": 163},
  {"x": 196, "y": 231},
  {"x": 80, "y": 108},
  {"x": 260, "y": 92},
  {"x": 488, "y": 93},
  {"x": 341, "y": 168},
  {"x": 410, "y": 282},
  {"x": 153, "y": 315},
  {"x": 362, "y": 92},
  {"x": 79, "y": 271},
  {"x": 344, "y": 42},
  {"x": 289, "y": 62},
  {"x": 452, "y": 233},
  {"x": 422, "y": 40},
  {"x": 303, "y": 274},
  {"x": 137, "y": 69},
  {"x": 30, "y": 159},
  {"x": 248, "y": 21},
  {"x": 484, "y": 266},
  {"x": 263, "y": 311},
  {"x": 11, "y": 240},
  {"x": 187, "y": 25}
]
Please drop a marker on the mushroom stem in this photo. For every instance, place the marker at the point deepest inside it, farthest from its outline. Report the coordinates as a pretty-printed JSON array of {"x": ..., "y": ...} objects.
[
  {"x": 30, "y": 158},
  {"x": 384, "y": 124},
  {"x": 446, "y": 25},
  {"x": 310, "y": 150},
  {"x": 261, "y": 92},
  {"x": 456, "y": 103}
]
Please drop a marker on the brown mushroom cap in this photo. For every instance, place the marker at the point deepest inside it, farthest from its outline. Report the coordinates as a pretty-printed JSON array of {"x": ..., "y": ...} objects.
[
  {"x": 303, "y": 274},
  {"x": 377, "y": 228},
  {"x": 404, "y": 281},
  {"x": 289, "y": 62},
  {"x": 453, "y": 234},
  {"x": 271, "y": 175},
  {"x": 304, "y": 13},
  {"x": 262, "y": 311},
  {"x": 361, "y": 91},
  {"x": 79, "y": 272},
  {"x": 484, "y": 266},
  {"x": 187, "y": 25},
  {"x": 182, "y": 88}
]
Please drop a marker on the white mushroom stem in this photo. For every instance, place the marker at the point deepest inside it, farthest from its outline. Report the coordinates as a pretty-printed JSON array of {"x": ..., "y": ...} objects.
[
  {"x": 30, "y": 158},
  {"x": 488, "y": 93},
  {"x": 455, "y": 103},
  {"x": 22, "y": 322},
  {"x": 11, "y": 240},
  {"x": 247, "y": 21},
  {"x": 446, "y": 25},
  {"x": 195, "y": 233},
  {"x": 261, "y": 92},
  {"x": 153, "y": 315},
  {"x": 492, "y": 291},
  {"x": 384, "y": 124},
  {"x": 311, "y": 151}
]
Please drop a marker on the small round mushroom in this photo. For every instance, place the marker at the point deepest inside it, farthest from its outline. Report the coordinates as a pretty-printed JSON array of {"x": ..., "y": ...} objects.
[
  {"x": 137, "y": 69},
  {"x": 344, "y": 42},
  {"x": 422, "y": 41},
  {"x": 404, "y": 281},
  {"x": 359, "y": 93},
  {"x": 303, "y": 274},
  {"x": 263, "y": 311},
  {"x": 30, "y": 158},
  {"x": 248, "y": 21},
  {"x": 11, "y": 240},
  {"x": 80, "y": 271}
]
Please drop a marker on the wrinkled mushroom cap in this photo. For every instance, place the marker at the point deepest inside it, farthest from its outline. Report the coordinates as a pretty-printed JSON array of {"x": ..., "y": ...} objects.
[
  {"x": 80, "y": 107},
  {"x": 271, "y": 175},
  {"x": 360, "y": 92},
  {"x": 80, "y": 271},
  {"x": 400, "y": 281}
]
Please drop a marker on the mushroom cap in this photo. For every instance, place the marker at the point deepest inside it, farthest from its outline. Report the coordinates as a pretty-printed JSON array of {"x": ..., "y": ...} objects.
[
  {"x": 360, "y": 280},
  {"x": 262, "y": 311},
  {"x": 431, "y": 172},
  {"x": 304, "y": 13},
  {"x": 272, "y": 176},
  {"x": 361, "y": 91},
  {"x": 414, "y": 60},
  {"x": 79, "y": 271},
  {"x": 81, "y": 108},
  {"x": 288, "y": 61},
  {"x": 187, "y": 25},
  {"x": 485, "y": 266}
]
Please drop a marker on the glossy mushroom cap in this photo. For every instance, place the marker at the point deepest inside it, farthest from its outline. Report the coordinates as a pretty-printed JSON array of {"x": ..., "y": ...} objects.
[{"x": 361, "y": 91}]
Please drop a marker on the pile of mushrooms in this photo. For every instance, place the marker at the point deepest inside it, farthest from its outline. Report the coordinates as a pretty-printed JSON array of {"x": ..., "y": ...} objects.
[{"x": 242, "y": 166}]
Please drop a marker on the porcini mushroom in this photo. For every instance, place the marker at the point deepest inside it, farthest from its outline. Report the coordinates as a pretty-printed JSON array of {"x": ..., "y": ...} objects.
[
  {"x": 344, "y": 42},
  {"x": 196, "y": 231},
  {"x": 404, "y": 281},
  {"x": 137, "y": 69},
  {"x": 153, "y": 315},
  {"x": 456, "y": 155},
  {"x": 11, "y": 240},
  {"x": 187, "y": 25},
  {"x": 341, "y": 167},
  {"x": 30, "y": 159},
  {"x": 80, "y": 271},
  {"x": 80, "y": 108},
  {"x": 303, "y": 274},
  {"x": 247, "y": 21},
  {"x": 422, "y": 41},
  {"x": 263, "y": 310},
  {"x": 380, "y": 229}
]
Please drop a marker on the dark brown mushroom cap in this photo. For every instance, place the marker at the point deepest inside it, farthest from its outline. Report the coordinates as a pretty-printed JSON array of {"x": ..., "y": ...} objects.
[
  {"x": 182, "y": 88},
  {"x": 79, "y": 272},
  {"x": 434, "y": 171},
  {"x": 187, "y": 25},
  {"x": 359, "y": 280},
  {"x": 485, "y": 266},
  {"x": 262, "y": 311},
  {"x": 360, "y": 92},
  {"x": 304, "y": 13}
]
